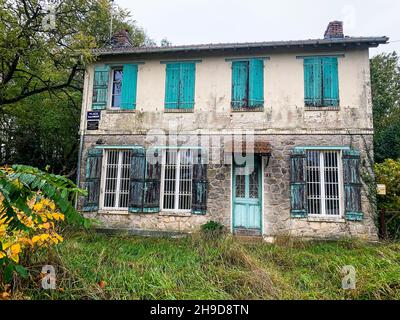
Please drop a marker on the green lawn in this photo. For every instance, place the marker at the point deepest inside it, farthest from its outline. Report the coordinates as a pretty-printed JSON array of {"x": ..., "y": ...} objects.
[{"x": 195, "y": 268}]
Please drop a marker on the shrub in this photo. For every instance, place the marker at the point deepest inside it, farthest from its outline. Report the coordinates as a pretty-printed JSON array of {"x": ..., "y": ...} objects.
[
  {"x": 212, "y": 229},
  {"x": 33, "y": 204},
  {"x": 388, "y": 173}
]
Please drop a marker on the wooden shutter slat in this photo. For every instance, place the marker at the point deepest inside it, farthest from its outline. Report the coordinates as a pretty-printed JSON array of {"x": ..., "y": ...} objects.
[
  {"x": 298, "y": 187},
  {"x": 93, "y": 178},
  {"x": 256, "y": 83},
  {"x": 352, "y": 185},
  {"x": 330, "y": 81},
  {"x": 172, "y": 86},
  {"x": 137, "y": 181},
  {"x": 100, "y": 88},
  {"x": 200, "y": 184},
  {"x": 187, "y": 85},
  {"x": 129, "y": 87},
  {"x": 313, "y": 82},
  {"x": 240, "y": 78},
  {"x": 151, "y": 201}
]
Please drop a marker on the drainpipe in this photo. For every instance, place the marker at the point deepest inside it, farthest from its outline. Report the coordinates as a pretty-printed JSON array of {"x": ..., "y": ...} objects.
[
  {"x": 82, "y": 130},
  {"x": 78, "y": 174}
]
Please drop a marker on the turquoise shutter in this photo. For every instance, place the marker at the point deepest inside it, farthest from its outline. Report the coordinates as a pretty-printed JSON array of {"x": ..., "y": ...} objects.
[
  {"x": 172, "y": 86},
  {"x": 352, "y": 185},
  {"x": 240, "y": 79},
  {"x": 100, "y": 88},
  {"x": 256, "y": 83},
  {"x": 129, "y": 87},
  {"x": 200, "y": 185},
  {"x": 313, "y": 82},
  {"x": 151, "y": 200},
  {"x": 298, "y": 184},
  {"x": 93, "y": 177},
  {"x": 137, "y": 181},
  {"x": 187, "y": 85},
  {"x": 330, "y": 81}
]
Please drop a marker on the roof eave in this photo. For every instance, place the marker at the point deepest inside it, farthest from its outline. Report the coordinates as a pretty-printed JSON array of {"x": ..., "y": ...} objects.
[{"x": 318, "y": 43}]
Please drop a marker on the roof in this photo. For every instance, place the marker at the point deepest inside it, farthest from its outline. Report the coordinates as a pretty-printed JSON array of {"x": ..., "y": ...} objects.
[{"x": 272, "y": 45}]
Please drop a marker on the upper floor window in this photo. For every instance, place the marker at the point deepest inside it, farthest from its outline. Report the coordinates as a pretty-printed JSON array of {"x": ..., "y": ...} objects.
[
  {"x": 248, "y": 84},
  {"x": 180, "y": 86},
  {"x": 115, "y": 87},
  {"x": 321, "y": 82}
]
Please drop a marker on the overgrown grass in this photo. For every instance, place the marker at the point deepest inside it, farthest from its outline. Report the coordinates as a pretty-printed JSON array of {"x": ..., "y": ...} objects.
[{"x": 94, "y": 266}]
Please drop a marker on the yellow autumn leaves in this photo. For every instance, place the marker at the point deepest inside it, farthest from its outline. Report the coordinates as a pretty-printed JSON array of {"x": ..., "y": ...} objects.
[{"x": 41, "y": 230}]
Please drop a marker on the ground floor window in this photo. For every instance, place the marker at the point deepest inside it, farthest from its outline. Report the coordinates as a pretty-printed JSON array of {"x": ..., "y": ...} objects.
[
  {"x": 324, "y": 183},
  {"x": 116, "y": 181},
  {"x": 177, "y": 177}
]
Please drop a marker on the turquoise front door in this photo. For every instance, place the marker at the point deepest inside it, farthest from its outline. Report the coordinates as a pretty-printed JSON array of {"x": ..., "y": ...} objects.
[{"x": 247, "y": 197}]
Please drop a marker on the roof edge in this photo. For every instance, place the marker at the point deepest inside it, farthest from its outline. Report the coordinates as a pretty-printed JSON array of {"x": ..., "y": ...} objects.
[{"x": 366, "y": 41}]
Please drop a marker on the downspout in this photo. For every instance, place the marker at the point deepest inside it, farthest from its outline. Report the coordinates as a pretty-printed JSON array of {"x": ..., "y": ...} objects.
[
  {"x": 78, "y": 175},
  {"x": 85, "y": 100}
]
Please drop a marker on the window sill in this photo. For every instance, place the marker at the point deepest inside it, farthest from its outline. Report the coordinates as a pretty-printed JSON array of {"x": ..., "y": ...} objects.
[
  {"x": 326, "y": 219},
  {"x": 114, "y": 212},
  {"x": 119, "y": 111},
  {"x": 322, "y": 108},
  {"x": 247, "y": 109},
  {"x": 179, "y": 110},
  {"x": 175, "y": 214}
]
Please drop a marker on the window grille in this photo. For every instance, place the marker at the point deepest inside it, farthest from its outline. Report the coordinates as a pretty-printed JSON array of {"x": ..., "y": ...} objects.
[
  {"x": 177, "y": 180},
  {"x": 324, "y": 183},
  {"x": 116, "y": 182}
]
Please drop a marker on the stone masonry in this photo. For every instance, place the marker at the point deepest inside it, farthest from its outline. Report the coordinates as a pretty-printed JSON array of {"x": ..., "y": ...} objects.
[{"x": 276, "y": 197}]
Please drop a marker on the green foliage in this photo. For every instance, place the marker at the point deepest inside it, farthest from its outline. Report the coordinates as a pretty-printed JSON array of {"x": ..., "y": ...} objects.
[
  {"x": 20, "y": 184},
  {"x": 385, "y": 81},
  {"x": 42, "y": 76},
  {"x": 118, "y": 267},
  {"x": 388, "y": 173},
  {"x": 212, "y": 226}
]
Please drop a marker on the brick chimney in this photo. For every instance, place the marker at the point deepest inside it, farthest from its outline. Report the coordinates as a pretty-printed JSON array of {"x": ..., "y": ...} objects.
[
  {"x": 121, "y": 39},
  {"x": 334, "y": 30}
]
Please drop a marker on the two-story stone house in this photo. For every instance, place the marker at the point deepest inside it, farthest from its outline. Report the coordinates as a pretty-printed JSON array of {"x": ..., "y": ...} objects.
[{"x": 267, "y": 138}]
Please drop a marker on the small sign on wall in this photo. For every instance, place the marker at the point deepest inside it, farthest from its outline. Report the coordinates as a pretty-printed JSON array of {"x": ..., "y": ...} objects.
[
  {"x": 93, "y": 119},
  {"x": 93, "y": 115},
  {"x": 381, "y": 189},
  {"x": 93, "y": 125}
]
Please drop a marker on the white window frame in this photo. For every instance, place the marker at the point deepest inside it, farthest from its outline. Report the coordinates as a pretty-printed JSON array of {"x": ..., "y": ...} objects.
[
  {"x": 111, "y": 87},
  {"x": 103, "y": 180},
  {"x": 177, "y": 181},
  {"x": 323, "y": 214}
]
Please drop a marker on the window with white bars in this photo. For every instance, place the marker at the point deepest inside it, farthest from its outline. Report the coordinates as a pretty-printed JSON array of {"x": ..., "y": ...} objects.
[
  {"x": 324, "y": 183},
  {"x": 116, "y": 180},
  {"x": 177, "y": 180}
]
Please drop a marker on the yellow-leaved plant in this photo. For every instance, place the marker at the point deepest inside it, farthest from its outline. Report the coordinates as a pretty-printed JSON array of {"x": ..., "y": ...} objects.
[
  {"x": 33, "y": 205},
  {"x": 41, "y": 229}
]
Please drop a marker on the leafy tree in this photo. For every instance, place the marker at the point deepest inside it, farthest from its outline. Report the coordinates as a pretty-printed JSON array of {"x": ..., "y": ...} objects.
[
  {"x": 385, "y": 80},
  {"x": 41, "y": 76}
]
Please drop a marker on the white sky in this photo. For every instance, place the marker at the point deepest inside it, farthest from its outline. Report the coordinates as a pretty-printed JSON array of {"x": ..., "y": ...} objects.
[{"x": 215, "y": 21}]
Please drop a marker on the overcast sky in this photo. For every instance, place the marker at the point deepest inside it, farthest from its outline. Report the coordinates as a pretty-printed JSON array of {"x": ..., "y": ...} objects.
[{"x": 214, "y": 21}]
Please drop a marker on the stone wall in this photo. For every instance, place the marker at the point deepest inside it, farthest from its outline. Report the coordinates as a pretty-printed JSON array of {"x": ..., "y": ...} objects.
[{"x": 276, "y": 216}]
